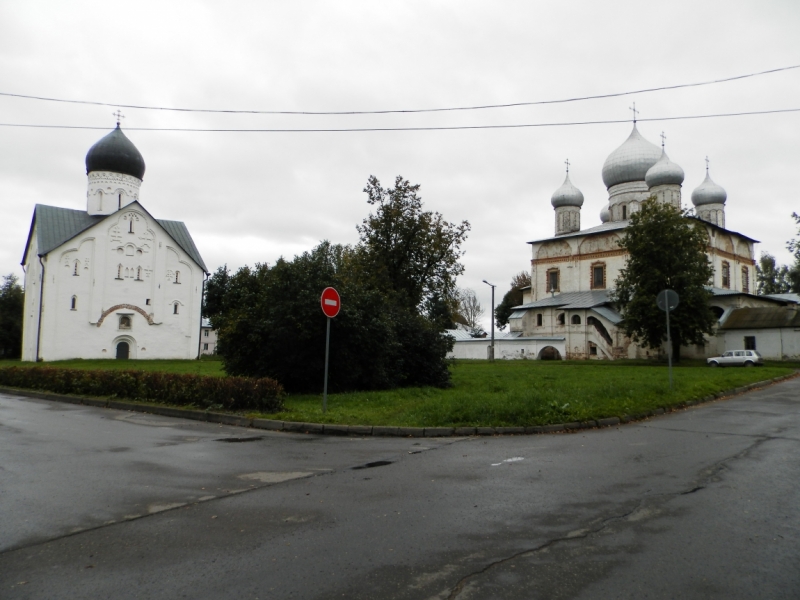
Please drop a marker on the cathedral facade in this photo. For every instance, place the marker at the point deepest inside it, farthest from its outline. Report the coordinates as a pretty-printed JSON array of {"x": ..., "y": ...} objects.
[
  {"x": 573, "y": 271},
  {"x": 111, "y": 281}
]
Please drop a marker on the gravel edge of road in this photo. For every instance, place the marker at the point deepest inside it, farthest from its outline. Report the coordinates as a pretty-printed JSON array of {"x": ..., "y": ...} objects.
[{"x": 377, "y": 430}]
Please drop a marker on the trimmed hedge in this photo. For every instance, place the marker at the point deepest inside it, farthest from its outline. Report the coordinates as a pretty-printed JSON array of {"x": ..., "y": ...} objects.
[{"x": 229, "y": 393}]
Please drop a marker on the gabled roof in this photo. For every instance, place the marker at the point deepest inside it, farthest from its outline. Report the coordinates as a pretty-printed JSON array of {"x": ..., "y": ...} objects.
[
  {"x": 726, "y": 292},
  {"x": 762, "y": 318},
  {"x": 617, "y": 225},
  {"x": 55, "y": 225},
  {"x": 569, "y": 300}
]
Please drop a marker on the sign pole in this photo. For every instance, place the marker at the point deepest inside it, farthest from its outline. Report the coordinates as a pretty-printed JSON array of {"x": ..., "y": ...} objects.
[
  {"x": 327, "y": 347},
  {"x": 669, "y": 350}
]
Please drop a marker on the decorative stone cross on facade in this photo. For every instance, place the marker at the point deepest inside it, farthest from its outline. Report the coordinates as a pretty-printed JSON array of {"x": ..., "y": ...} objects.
[
  {"x": 635, "y": 112},
  {"x": 566, "y": 162},
  {"x": 663, "y": 139},
  {"x": 118, "y": 114}
]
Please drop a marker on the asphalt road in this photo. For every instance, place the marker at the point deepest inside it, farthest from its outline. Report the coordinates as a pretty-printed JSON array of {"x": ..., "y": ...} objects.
[{"x": 703, "y": 503}]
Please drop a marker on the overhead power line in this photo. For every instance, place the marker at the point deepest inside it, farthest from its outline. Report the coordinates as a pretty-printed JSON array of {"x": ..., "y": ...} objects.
[
  {"x": 433, "y": 128},
  {"x": 398, "y": 111}
]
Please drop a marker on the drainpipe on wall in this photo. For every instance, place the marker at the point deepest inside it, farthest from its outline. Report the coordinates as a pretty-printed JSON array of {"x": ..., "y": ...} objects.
[
  {"x": 39, "y": 323},
  {"x": 202, "y": 302}
]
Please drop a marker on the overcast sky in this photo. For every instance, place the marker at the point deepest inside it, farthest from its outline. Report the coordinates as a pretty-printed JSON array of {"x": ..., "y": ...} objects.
[{"x": 252, "y": 197}]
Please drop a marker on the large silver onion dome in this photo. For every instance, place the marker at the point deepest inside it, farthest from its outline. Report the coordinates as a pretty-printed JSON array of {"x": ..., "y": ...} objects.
[
  {"x": 631, "y": 161},
  {"x": 664, "y": 172},
  {"x": 709, "y": 192},
  {"x": 115, "y": 153},
  {"x": 605, "y": 214},
  {"x": 567, "y": 195}
]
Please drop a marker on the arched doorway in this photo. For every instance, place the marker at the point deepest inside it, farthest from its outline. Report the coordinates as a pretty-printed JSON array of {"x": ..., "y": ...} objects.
[
  {"x": 123, "y": 351},
  {"x": 549, "y": 353}
]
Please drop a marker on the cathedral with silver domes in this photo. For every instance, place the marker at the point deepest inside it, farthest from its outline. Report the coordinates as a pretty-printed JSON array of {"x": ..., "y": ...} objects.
[
  {"x": 567, "y": 312},
  {"x": 111, "y": 281}
]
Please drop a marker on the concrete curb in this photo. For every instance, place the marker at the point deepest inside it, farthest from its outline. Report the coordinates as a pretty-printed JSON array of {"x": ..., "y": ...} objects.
[{"x": 378, "y": 430}]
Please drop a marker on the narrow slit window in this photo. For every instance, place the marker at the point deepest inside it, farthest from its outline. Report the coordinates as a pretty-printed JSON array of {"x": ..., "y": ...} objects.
[
  {"x": 175, "y": 309},
  {"x": 624, "y": 213},
  {"x": 73, "y": 305},
  {"x": 130, "y": 225}
]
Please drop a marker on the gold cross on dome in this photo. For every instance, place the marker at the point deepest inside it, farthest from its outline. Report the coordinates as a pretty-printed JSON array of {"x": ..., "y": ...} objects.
[
  {"x": 707, "y": 161},
  {"x": 566, "y": 162},
  {"x": 663, "y": 139},
  {"x": 635, "y": 112},
  {"x": 118, "y": 114}
]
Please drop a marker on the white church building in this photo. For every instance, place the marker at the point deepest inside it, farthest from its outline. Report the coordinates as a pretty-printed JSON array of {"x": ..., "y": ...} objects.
[
  {"x": 567, "y": 312},
  {"x": 111, "y": 281}
]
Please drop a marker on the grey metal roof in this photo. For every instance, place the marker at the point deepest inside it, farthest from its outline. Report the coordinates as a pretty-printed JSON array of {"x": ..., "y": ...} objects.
[
  {"x": 570, "y": 300},
  {"x": 762, "y": 318},
  {"x": 517, "y": 314},
  {"x": 785, "y": 297},
  {"x": 463, "y": 336},
  {"x": 178, "y": 232},
  {"x": 608, "y": 313},
  {"x": 56, "y": 225},
  {"x": 726, "y": 292}
]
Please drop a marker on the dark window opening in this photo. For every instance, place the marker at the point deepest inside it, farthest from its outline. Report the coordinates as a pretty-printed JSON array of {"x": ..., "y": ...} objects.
[
  {"x": 130, "y": 225},
  {"x": 592, "y": 349},
  {"x": 726, "y": 275},
  {"x": 119, "y": 201},
  {"x": 123, "y": 351},
  {"x": 205, "y": 346},
  {"x": 74, "y": 303},
  {"x": 576, "y": 319},
  {"x": 147, "y": 302},
  {"x": 175, "y": 309},
  {"x": 750, "y": 342},
  {"x": 624, "y": 212},
  {"x": 552, "y": 280},
  {"x": 539, "y": 319},
  {"x": 560, "y": 319},
  {"x": 598, "y": 276}
]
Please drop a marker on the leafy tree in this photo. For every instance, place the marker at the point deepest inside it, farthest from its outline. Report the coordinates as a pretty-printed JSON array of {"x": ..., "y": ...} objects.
[
  {"x": 398, "y": 295},
  {"x": 12, "y": 300},
  {"x": 470, "y": 310},
  {"x": 771, "y": 278},
  {"x": 512, "y": 298},
  {"x": 794, "y": 247},
  {"x": 666, "y": 250},
  {"x": 410, "y": 253}
]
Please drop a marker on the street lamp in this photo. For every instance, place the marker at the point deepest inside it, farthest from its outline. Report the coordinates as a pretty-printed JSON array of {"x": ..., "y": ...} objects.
[{"x": 491, "y": 348}]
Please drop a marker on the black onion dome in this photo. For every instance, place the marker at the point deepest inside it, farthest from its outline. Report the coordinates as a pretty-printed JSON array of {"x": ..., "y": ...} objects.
[{"x": 115, "y": 153}]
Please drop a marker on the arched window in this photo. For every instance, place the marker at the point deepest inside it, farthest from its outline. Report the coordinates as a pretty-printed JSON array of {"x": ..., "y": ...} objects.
[
  {"x": 560, "y": 319},
  {"x": 726, "y": 275},
  {"x": 177, "y": 276},
  {"x": 119, "y": 201},
  {"x": 75, "y": 268},
  {"x": 576, "y": 319},
  {"x": 73, "y": 305},
  {"x": 552, "y": 280},
  {"x": 130, "y": 225},
  {"x": 175, "y": 309}
]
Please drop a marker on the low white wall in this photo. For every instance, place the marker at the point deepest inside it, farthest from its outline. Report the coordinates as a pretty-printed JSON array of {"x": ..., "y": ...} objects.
[
  {"x": 516, "y": 348},
  {"x": 775, "y": 344}
]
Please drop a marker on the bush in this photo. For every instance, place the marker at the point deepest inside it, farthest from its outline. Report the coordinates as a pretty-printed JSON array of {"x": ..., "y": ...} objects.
[{"x": 231, "y": 393}]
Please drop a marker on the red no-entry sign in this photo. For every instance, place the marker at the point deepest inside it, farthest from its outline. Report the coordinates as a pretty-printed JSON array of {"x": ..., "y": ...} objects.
[{"x": 330, "y": 301}]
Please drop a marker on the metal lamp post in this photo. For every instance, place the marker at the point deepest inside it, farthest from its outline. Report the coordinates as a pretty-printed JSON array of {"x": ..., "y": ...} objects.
[{"x": 491, "y": 348}]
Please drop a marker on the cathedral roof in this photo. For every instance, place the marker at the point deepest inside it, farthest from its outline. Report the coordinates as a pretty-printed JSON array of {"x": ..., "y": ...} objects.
[
  {"x": 117, "y": 154},
  {"x": 631, "y": 160},
  {"x": 567, "y": 195},
  {"x": 709, "y": 192},
  {"x": 55, "y": 225},
  {"x": 664, "y": 172}
]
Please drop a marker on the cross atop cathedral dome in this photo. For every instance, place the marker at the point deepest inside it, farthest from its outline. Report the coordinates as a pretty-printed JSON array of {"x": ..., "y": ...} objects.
[
  {"x": 709, "y": 192},
  {"x": 567, "y": 195},
  {"x": 664, "y": 172},
  {"x": 631, "y": 161},
  {"x": 117, "y": 154}
]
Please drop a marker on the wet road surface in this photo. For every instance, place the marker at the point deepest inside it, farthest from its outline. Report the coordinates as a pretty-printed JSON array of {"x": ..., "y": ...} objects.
[{"x": 703, "y": 503}]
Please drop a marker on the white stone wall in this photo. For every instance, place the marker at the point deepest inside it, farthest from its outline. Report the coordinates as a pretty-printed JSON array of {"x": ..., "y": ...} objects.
[
  {"x": 775, "y": 344},
  {"x": 109, "y": 192},
  {"x": 509, "y": 349},
  {"x": 125, "y": 266}
]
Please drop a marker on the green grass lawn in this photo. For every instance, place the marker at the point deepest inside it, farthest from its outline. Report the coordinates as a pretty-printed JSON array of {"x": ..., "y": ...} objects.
[{"x": 503, "y": 393}]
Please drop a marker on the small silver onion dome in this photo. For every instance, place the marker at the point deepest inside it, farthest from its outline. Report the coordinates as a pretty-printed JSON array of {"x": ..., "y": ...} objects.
[
  {"x": 664, "y": 172},
  {"x": 605, "y": 214},
  {"x": 631, "y": 161},
  {"x": 567, "y": 195},
  {"x": 709, "y": 192},
  {"x": 115, "y": 153}
]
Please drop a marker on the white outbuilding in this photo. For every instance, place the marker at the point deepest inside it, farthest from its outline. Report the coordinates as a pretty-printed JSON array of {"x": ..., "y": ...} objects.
[{"x": 111, "y": 281}]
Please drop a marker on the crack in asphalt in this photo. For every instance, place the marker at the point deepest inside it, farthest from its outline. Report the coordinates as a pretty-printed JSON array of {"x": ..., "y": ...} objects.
[{"x": 707, "y": 475}]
